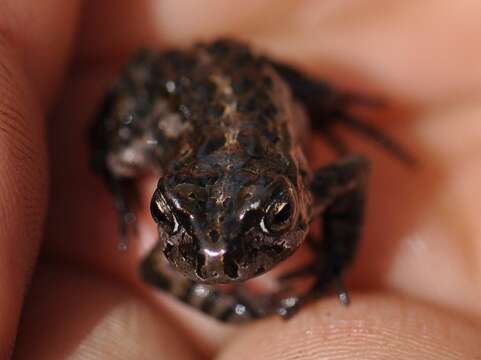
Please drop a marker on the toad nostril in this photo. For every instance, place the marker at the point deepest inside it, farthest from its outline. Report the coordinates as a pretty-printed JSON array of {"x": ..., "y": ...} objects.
[
  {"x": 231, "y": 269},
  {"x": 214, "y": 235}
]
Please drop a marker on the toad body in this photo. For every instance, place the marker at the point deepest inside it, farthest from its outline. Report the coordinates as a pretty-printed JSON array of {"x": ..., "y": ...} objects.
[{"x": 225, "y": 130}]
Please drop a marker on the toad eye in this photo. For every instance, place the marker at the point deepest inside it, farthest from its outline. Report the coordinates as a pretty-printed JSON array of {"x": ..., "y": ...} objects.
[
  {"x": 162, "y": 214},
  {"x": 279, "y": 214}
]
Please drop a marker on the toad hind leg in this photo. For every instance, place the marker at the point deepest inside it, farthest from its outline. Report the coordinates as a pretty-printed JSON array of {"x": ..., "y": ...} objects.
[
  {"x": 339, "y": 189},
  {"x": 326, "y": 107},
  {"x": 123, "y": 191},
  {"x": 122, "y": 188},
  {"x": 123, "y": 140}
]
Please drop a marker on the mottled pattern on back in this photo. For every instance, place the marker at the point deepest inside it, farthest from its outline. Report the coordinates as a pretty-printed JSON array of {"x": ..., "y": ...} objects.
[{"x": 223, "y": 129}]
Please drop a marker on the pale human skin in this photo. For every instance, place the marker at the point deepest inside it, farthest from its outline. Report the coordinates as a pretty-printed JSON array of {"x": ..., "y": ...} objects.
[{"x": 417, "y": 280}]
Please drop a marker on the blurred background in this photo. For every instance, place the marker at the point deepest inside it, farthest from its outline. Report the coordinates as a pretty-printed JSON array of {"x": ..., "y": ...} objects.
[{"x": 417, "y": 279}]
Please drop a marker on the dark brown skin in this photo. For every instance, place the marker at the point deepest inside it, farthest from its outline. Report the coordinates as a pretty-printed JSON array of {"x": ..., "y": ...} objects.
[
  {"x": 225, "y": 130},
  {"x": 221, "y": 128}
]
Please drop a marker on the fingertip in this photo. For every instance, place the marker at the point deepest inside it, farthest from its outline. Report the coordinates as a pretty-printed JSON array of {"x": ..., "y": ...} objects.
[
  {"x": 372, "y": 327},
  {"x": 73, "y": 314}
]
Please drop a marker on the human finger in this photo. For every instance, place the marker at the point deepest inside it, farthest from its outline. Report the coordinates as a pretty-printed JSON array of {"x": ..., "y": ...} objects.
[
  {"x": 377, "y": 326},
  {"x": 92, "y": 317},
  {"x": 27, "y": 70}
]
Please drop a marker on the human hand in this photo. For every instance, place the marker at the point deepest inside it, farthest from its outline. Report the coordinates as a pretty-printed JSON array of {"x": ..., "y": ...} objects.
[{"x": 416, "y": 281}]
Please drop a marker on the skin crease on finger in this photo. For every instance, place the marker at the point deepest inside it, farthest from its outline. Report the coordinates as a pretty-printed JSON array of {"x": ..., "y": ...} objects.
[
  {"x": 23, "y": 160},
  {"x": 22, "y": 157},
  {"x": 421, "y": 235},
  {"x": 111, "y": 324},
  {"x": 394, "y": 329}
]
